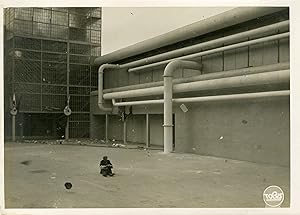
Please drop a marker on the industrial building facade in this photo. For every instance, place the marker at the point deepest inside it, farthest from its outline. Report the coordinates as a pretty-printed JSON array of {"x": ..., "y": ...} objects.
[
  {"x": 234, "y": 105},
  {"x": 48, "y": 65}
]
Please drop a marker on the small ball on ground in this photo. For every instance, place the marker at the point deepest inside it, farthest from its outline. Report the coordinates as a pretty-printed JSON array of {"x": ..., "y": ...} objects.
[{"x": 68, "y": 185}]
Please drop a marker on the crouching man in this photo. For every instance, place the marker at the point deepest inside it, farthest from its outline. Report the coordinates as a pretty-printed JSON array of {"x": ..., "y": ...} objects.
[{"x": 105, "y": 167}]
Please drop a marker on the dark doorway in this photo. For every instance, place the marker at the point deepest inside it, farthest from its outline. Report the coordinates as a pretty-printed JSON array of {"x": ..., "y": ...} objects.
[{"x": 43, "y": 126}]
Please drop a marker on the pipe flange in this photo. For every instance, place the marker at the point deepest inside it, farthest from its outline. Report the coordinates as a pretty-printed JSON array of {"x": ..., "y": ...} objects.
[
  {"x": 67, "y": 111},
  {"x": 14, "y": 111},
  {"x": 164, "y": 125}
]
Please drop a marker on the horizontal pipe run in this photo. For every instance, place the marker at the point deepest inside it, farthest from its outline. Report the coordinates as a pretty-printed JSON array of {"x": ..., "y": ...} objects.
[
  {"x": 282, "y": 76},
  {"x": 196, "y": 48},
  {"x": 134, "y": 103},
  {"x": 211, "y": 24},
  {"x": 223, "y": 74},
  {"x": 234, "y": 96},
  {"x": 277, "y": 77},
  {"x": 210, "y": 98},
  {"x": 212, "y": 51}
]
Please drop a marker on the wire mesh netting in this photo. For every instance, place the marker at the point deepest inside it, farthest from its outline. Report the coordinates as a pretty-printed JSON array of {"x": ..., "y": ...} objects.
[
  {"x": 83, "y": 117},
  {"x": 80, "y": 59},
  {"x": 80, "y": 103},
  {"x": 23, "y": 13},
  {"x": 27, "y": 88},
  {"x": 80, "y": 75},
  {"x": 79, "y": 125},
  {"x": 80, "y": 91},
  {"x": 23, "y": 27},
  {"x": 27, "y": 71},
  {"x": 30, "y": 102},
  {"x": 94, "y": 76},
  {"x": 60, "y": 58},
  {"x": 79, "y": 129},
  {"x": 53, "y": 102},
  {"x": 80, "y": 49},
  {"x": 27, "y": 43},
  {"x": 26, "y": 55},
  {"x": 77, "y": 24},
  {"x": 54, "y": 46},
  {"x": 50, "y": 89},
  {"x": 60, "y": 18},
  {"x": 54, "y": 73},
  {"x": 95, "y": 51},
  {"x": 49, "y": 52}
]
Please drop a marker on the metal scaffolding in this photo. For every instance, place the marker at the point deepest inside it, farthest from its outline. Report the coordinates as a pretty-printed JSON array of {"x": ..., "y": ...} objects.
[{"x": 48, "y": 56}]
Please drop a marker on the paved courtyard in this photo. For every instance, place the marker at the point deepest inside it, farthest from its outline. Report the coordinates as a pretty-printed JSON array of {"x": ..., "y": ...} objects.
[{"x": 35, "y": 175}]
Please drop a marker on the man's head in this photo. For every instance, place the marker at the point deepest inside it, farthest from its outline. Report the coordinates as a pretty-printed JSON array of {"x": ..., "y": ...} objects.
[{"x": 105, "y": 158}]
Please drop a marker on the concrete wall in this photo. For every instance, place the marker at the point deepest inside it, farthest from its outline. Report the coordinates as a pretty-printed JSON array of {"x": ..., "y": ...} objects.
[
  {"x": 97, "y": 126},
  {"x": 247, "y": 130}
]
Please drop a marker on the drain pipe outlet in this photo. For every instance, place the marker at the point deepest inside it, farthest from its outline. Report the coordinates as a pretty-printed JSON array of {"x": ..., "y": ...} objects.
[
  {"x": 100, "y": 86},
  {"x": 168, "y": 96}
]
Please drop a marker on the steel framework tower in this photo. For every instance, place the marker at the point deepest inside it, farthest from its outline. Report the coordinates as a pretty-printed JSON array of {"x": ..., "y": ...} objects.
[{"x": 48, "y": 59}]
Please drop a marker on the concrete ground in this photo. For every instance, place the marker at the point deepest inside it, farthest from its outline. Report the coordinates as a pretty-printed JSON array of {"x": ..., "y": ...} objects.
[{"x": 35, "y": 175}]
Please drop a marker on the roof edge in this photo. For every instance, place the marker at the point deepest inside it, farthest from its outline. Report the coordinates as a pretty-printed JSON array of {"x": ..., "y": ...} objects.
[{"x": 210, "y": 24}]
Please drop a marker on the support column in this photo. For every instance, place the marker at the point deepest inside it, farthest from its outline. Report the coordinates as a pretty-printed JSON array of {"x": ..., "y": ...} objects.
[
  {"x": 125, "y": 131},
  {"x": 67, "y": 129},
  {"x": 68, "y": 89},
  {"x": 106, "y": 128},
  {"x": 147, "y": 131},
  {"x": 13, "y": 128}
]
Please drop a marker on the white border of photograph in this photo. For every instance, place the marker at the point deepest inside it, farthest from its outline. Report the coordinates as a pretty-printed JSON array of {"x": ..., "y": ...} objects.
[{"x": 294, "y": 101}]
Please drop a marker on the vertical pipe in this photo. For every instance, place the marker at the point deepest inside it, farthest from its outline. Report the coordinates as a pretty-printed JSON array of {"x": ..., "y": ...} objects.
[
  {"x": 68, "y": 88},
  {"x": 147, "y": 131},
  {"x": 168, "y": 122},
  {"x": 13, "y": 124},
  {"x": 106, "y": 128},
  {"x": 100, "y": 85},
  {"x": 67, "y": 129},
  {"x": 125, "y": 131},
  {"x": 13, "y": 128},
  {"x": 168, "y": 97}
]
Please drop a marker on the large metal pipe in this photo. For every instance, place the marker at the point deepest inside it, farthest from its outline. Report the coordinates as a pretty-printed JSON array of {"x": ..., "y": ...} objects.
[
  {"x": 100, "y": 86},
  {"x": 212, "y": 51},
  {"x": 198, "y": 47},
  {"x": 168, "y": 96},
  {"x": 240, "y": 81},
  {"x": 275, "y": 77},
  {"x": 241, "y": 96},
  {"x": 268, "y": 94},
  {"x": 220, "y": 21},
  {"x": 215, "y": 75},
  {"x": 134, "y": 103},
  {"x": 101, "y": 69}
]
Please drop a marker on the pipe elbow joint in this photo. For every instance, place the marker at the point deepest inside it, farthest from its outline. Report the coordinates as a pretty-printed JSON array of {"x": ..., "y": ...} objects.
[
  {"x": 103, "y": 108},
  {"x": 108, "y": 66},
  {"x": 100, "y": 86},
  {"x": 176, "y": 64},
  {"x": 171, "y": 67}
]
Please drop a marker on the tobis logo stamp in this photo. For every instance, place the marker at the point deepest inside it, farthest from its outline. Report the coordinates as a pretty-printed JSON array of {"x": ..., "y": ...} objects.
[{"x": 273, "y": 196}]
